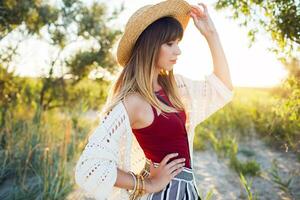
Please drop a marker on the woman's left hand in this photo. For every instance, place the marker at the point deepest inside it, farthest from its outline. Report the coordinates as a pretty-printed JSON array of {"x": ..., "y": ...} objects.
[{"x": 202, "y": 20}]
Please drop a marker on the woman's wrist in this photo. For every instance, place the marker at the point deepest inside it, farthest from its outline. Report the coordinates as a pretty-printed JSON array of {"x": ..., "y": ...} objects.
[
  {"x": 212, "y": 36},
  {"x": 134, "y": 185}
]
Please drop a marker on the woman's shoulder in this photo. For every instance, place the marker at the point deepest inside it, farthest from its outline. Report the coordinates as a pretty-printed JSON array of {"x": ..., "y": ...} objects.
[{"x": 133, "y": 103}]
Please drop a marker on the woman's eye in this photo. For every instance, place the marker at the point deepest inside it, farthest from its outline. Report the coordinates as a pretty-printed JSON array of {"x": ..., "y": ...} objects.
[{"x": 170, "y": 44}]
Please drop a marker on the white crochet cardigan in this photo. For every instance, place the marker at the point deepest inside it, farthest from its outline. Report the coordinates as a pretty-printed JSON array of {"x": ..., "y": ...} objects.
[{"x": 112, "y": 144}]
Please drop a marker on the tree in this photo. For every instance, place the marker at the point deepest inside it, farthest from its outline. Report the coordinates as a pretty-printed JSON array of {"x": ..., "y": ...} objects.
[
  {"x": 62, "y": 25},
  {"x": 280, "y": 19},
  {"x": 34, "y": 14}
]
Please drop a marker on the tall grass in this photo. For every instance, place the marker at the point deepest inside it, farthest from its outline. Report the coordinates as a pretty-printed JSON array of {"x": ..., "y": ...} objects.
[
  {"x": 247, "y": 186},
  {"x": 252, "y": 112},
  {"x": 39, "y": 154},
  {"x": 283, "y": 185}
]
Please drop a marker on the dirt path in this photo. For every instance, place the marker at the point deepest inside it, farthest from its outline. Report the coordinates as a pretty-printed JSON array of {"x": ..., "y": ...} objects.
[{"x": 213, "y": 173}]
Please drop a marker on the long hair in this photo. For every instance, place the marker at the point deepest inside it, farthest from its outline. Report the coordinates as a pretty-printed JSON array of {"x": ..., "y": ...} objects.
[{"x": 137, "y": 75}]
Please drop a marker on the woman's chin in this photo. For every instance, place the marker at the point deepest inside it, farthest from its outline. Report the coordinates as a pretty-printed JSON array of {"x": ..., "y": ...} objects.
[{"x": 170, "y": 67}]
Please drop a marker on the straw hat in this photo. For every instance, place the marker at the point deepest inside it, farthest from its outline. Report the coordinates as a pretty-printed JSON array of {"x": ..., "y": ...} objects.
[{"x": 143, "y": 17}]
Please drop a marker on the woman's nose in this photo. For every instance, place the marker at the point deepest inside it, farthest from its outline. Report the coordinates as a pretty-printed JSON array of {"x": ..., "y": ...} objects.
[{"x": 177, "y": 50}]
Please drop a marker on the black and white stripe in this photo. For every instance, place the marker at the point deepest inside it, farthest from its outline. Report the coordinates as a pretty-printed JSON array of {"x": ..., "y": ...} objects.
[{"x": 180, "y": 188}]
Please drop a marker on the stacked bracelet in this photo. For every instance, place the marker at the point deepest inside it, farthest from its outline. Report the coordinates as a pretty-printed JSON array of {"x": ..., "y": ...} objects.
[{"x": 139, "y": 186}]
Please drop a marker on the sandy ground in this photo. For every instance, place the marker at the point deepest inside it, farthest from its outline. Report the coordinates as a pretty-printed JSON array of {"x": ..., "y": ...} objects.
[{"x": 214, "y": 174}]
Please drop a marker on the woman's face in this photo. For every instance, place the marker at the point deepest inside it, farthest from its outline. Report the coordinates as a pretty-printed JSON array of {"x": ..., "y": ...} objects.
[{"x": 168, "y": 54}]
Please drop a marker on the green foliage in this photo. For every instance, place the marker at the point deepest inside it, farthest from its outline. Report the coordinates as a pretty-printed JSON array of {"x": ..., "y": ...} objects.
[
  {"x": 37, "y": 148},
  {"x": 250, "y": 167},
  {"x": 39, "y": 155},
  {"x": 41, "y": 125},
  {"x": 209, "y": 195},
  {"x": 280, "y": 122},
  {"x": 64, "y": 24},
  {"x": 247, "y": 186},
  {"x": 10, "y": 92},
  {"x": 273, "y": 114},
  {"x": 289, "y": 107},
  {"x": 284, "y": 185},
  {"x": 33, "y": 13},
  {"x": 279, "y": 19}
]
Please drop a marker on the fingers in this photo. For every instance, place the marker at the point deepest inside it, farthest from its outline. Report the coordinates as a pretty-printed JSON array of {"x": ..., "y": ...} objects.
[
  {"x": 175, "y": 167},
  {"x": 175, "y": 162},
  {"x": 204, "y": 6},
  {"x": 193, "y": 15},
  {"x": 198, "y": 11},
  {"x": 177, "y": 171},
  {"x": 167, "y": 158}
]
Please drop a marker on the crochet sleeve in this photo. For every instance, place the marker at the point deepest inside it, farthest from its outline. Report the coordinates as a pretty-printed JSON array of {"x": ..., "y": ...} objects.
[
  {"x": 206, "y": 96},
  {"x": 96, "y": 169}
]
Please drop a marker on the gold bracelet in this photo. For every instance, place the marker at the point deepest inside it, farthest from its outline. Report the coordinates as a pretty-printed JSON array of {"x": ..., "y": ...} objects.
[
  {"x": 143, "y": 186},
  {"x": 135, "y": 186},
  {"x": 139, "y": 188},
  {"x": 136, "y": 193}
]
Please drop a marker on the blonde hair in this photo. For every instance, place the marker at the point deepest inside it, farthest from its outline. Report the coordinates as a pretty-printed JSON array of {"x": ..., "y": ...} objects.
[{"x": 137, "y": 75}]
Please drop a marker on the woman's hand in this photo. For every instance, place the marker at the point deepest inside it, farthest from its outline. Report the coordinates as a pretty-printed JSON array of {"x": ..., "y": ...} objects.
[
  {"x": 164, "y": 173},
  {"x": 202, "y": 20}
]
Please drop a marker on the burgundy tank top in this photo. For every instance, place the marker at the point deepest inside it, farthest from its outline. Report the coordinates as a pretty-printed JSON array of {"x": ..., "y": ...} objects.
[{"x": 164, "y": 135}]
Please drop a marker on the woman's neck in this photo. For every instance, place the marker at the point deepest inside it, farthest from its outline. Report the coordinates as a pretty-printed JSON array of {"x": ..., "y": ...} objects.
[{"x": 155, "y": 84}]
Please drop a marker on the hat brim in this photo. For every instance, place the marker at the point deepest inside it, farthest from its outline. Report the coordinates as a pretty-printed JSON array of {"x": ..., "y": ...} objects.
[{"x": 141, "y": 19}]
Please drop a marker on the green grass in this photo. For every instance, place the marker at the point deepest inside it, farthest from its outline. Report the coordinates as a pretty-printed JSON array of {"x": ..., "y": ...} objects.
[
  {"x": 283, "y": 185},
  {"x": 252, "y": 111},
  {"x": 247, "y": 186},
  {"x": 39, "y": 154}
]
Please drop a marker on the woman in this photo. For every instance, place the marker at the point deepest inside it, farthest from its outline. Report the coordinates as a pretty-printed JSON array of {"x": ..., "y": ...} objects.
[{"x": 151, "y": 113}]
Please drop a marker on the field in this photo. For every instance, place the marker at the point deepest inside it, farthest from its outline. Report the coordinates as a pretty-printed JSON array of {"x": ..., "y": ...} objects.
[{"x": 239, "y": 144}]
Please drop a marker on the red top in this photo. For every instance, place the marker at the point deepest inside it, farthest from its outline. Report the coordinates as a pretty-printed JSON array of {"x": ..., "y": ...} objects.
[{"x": 164, "y": 135}]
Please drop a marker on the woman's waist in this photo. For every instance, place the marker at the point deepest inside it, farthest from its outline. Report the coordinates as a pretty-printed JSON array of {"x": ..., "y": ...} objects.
[
  {"x": 186, "y": 174},
  {"x": 157, "y": 157}
]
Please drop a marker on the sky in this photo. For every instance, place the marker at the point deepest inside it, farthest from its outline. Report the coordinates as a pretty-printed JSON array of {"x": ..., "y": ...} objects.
[{"x": 249, "y": 67}]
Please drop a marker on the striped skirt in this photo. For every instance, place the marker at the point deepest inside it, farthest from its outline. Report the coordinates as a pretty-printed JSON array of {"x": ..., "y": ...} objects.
[{"x": 181, "y": 187}]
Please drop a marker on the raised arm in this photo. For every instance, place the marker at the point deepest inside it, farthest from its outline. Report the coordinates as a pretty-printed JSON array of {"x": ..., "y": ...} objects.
[{"x": 206, "y": 27}]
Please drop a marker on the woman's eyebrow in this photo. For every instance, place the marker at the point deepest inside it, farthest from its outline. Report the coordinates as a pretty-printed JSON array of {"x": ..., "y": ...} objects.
[{"x": 178, "y": 39}]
